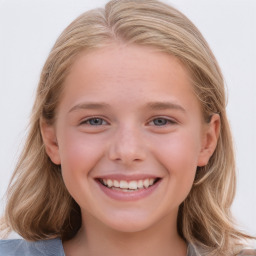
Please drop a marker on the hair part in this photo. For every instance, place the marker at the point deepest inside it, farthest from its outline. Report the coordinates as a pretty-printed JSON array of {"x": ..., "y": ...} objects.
[{"x": 40, "y": 207}]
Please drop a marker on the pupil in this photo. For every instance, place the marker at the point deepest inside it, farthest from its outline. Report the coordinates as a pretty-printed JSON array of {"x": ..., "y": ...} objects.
[
  {"x": 159, "y": 122},
  {"x": 96, "y": 121}
]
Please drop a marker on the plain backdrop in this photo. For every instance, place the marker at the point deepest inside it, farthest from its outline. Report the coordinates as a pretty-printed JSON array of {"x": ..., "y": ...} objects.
[{"x": 29, "y": 28}]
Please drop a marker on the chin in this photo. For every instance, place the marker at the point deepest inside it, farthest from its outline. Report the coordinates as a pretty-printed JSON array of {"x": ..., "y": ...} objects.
[{"x": 130, "y": 222}]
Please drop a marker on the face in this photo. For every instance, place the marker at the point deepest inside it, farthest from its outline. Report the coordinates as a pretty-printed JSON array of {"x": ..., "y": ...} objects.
[{"x": 129, "y": 135}]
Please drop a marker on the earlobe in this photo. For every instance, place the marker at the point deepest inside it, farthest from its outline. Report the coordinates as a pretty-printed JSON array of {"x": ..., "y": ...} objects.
[
  {"x": 210, "y": 140},
  {"x": 50, "y": 141}
]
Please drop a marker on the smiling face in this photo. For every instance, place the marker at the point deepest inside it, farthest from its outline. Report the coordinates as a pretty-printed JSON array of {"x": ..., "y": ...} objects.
[{"x": 129, "y": 135}]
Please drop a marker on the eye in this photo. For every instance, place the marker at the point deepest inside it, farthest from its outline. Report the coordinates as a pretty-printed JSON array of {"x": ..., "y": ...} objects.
[
  {"x": 95, "y": 121},
  {"x": 161, "y": 121}
]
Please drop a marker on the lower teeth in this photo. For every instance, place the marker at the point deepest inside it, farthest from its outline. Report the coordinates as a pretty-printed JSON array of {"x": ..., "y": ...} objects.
[{"x": 125, "y": 190}]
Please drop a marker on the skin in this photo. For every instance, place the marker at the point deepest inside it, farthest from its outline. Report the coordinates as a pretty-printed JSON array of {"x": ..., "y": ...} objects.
[{"x": 126, "y": 88}]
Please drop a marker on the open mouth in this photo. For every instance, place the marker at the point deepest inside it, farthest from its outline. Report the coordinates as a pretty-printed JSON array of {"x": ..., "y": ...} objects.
[{"x": 129, "y": 186}]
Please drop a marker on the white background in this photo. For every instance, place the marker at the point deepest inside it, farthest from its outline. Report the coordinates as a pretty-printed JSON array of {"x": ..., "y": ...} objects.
[{"x": 29, "y": 28}]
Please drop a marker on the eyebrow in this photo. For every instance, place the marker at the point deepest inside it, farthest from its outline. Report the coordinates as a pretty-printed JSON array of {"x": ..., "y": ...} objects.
[
  {"x": 152, "y": 105},
  {"x": 165, "y": 105},
  {"x": 89, "y": 105}
]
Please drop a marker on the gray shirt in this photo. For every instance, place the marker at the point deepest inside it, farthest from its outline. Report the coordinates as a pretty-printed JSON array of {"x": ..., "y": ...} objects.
[{"x": 19, "y": 247}]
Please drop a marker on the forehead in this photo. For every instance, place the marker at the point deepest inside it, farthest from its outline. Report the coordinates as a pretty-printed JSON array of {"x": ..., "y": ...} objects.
[
  {"x": 127, "y": 62},
  {"x": 137, "y": 72}
]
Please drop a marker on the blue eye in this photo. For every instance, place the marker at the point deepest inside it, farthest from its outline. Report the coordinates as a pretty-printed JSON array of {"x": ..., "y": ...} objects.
[
  {"x": 95, "y": 121},
  {"x": 161, "y": 121}
]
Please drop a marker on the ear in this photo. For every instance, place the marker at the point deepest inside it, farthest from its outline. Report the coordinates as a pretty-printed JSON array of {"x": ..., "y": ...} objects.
[
  {"x": 210, "y": 140},
  {"x": 50, "y": 141}
]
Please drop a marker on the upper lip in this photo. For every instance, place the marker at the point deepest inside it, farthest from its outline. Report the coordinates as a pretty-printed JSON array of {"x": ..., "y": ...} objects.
[{"x": 119, "y": 177}]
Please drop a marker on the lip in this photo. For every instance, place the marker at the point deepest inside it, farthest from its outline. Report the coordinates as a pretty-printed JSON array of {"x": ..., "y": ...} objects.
[{"x": 127, "y": 196}]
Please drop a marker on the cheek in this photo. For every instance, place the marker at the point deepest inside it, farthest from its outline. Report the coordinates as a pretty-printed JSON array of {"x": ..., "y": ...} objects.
[
  {"x": 79, "y": 153},
  {"x": 180, "y": 152}
]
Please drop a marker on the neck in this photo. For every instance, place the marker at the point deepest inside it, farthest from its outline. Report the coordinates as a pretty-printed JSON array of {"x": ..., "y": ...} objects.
[{"x": 97, "y": 239}]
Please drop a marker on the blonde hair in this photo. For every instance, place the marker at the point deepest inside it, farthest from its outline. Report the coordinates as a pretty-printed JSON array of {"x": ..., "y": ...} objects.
[{"x": 40, "y": 207}]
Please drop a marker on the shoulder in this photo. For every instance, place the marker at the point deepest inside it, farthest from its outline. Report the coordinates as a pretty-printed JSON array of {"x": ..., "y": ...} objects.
[
  {"x": 197, "y": 251},
  {"x": 20, "y": 247}
]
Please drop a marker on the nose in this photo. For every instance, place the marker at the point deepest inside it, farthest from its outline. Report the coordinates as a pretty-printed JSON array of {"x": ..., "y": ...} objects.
[{"x": 127, "y": 146}]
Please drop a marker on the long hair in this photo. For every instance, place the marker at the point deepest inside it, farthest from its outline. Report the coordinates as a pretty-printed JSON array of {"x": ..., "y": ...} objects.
[{"x": 38, "y": 204}]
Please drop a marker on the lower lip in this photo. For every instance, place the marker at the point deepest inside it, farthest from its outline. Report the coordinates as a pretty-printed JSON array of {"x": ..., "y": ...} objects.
[{"x": 128, "y": 196}]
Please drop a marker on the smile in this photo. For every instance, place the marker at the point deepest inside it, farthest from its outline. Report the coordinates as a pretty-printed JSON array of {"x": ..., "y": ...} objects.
[
  {"x": 128, "y": 190},
  {"x": 128, "y": 186}
]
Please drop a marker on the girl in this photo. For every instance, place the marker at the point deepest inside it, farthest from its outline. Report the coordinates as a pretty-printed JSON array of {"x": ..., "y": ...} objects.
[{"x": 129, "y": 150}]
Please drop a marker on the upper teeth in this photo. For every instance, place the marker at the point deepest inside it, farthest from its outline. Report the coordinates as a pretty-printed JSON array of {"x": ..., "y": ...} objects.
[{"x": 133, "y": 184}]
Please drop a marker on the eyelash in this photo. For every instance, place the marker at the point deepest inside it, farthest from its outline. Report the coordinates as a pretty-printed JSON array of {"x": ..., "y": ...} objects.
[
  {"x": 88, "y": 120},
  {"x": 166, "y": 121}
]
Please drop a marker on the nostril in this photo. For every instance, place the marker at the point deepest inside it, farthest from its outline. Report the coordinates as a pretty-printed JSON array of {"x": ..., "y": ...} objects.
[{"x": 127, "y": 147}]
